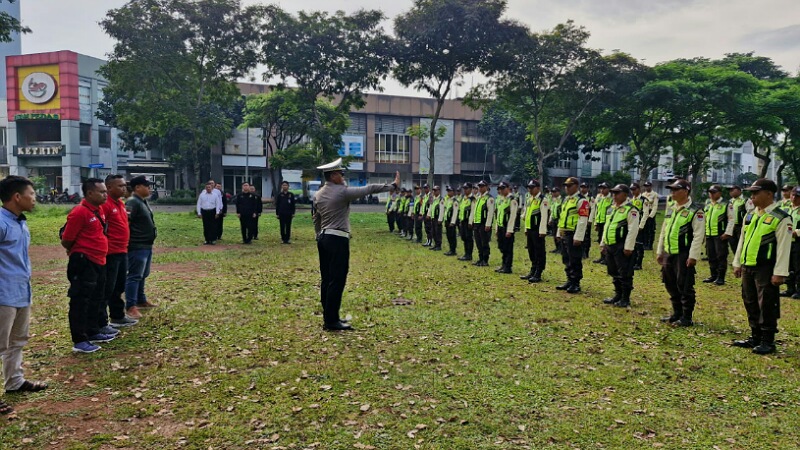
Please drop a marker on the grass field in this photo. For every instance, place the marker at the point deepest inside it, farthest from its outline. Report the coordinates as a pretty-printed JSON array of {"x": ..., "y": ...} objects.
[{"x": 235, "y": 357}]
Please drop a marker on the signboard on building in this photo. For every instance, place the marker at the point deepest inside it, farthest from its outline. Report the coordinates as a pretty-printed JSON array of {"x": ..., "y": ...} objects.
[
  {"x": 353, "y": 146},
  {"x": 37, "y": 117},
  {"x": 39, "y": 150},
  {"x": 38, "y": 87}
]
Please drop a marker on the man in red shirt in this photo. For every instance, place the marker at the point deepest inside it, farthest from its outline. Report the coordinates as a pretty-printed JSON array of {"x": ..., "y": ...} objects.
[
  {"x": 85, "y": 239},
  {"x": 117, "y": 258}
]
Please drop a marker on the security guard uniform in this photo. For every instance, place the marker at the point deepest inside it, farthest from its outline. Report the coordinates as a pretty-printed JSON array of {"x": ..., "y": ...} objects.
[
  {"x": 535, "y": 219},
  {"x": 390, "y": 212},
  {"x": 619, "y": 236},
  {"x": 425, "y": 216},
  {"x": 434, "y": 217},
  {"x": 465, "y": 206},
  {"x": 418, "y": 201},
  {"x": 736, "y": 213},
  {"x": 763, "y": 252},
  {"x": 716, "y": 248},
  {"x": 572, "y": 222},
  {"x": 587, "y": 237},
  {"x": 681, "y": 239},
  {"x": 506, "y": 211},
  {"x": 450, "y": 220},
  {"x": 641, "y": 203},
  {"x": 650, "y": 224},
  {"x": 793, "y": 281},
  {"x": 601, "y": 205},
  {"x": 482, "y": 219},
  {"x": 555, "y": 207}
]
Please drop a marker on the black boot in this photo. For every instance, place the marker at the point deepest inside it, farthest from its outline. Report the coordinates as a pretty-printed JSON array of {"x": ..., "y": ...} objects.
[
  {"x": 536, "y": 277},
  {"x": 625, "y": 301},
  {"x": 526, "y": 277},
  {"x": 767, "y": 344},
  {"x": 685, "y": 321},
  {"x": 465, "y": 258},
  {"x": 752, "y": 342},
  {"x": 720, "y": 281},
  {"x": 564, "y": 286},
  {"x": 710, "y": 279},
  {"x": 575, "y": 288},
  {"x": 617, "y": 295},
  {"x": 600, "y": 260}
]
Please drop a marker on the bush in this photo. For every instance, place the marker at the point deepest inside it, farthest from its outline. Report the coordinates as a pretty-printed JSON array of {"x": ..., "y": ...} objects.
[{"x": 183, "y": 193}]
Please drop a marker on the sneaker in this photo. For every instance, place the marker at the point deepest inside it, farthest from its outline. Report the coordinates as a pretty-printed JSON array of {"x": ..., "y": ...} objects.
[
  {"x": 146, "y": 304},
  {"x": 101, "y": 338},
  {"x": 109, "y": 330},
  {"x": 85, "y": 347},
  {"x": 133, "y": 313},
  {"x": 122, "y": 323}
]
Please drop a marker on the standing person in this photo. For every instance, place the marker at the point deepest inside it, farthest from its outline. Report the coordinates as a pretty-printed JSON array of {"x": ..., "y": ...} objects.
[
  {"x": 417, "y": 213},
  {"x": 762, "y": 262},
  {"x": 117, "y": 259},
  {"x": 426, "y": 219},
  {"x": 506, "y": 221},
  {"x": 793, "y": 282},
  {"x": 247, "y": 206},
  {"x": 572, "y": 223},
  {"x": 618, "y": 242},
  {"x": 716, "y": 247},
  {"x": 285, "y": 204},
  {"x": 391, "y": 213},
  {"x": 434, "y": 216},
  {"x": 465, "y": 205},
  {"x": 555, "y": 205},
  {"x": 786, "y": 202},
  {"x": 259, "y": 210},
  {"x": 140, "y": 247},
  {"x": 535, "y": 220},
  {"x": 209, "y": 206},
  {"x": 223, "y": 212},
  {"x": 332, "y": 226},
  {"x": 736, "y": 213},
  {"x": 643, "y": 205},
  {"x": 678, "y": 250},
  {"x": 481, "y": 220},
  {"x": 450, "y": 219},
  {"x": 650, "y": 224},
  {"x": 602, "y": 203},
  {"x": 587, "y": 238},
  {"x": 18, "y": 197},
  {"x": 84, "y": 237}
]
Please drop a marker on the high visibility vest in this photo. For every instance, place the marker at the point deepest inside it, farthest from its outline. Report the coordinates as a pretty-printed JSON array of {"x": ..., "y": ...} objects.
[
  {"x": 425, "y": 200},
  {"x": 602, "y": 209},
  {"x": 616, "y": 230},
  {"x": 785, "y": 204},
  {"x": 795, "y": 217},
  {"x": 417, "y": 205},
  {"x": 739, "y": 210},
  {"x": 555, "y": 206},
  {"x": 638, "y": 202},
  {"x": 389, "y": 204},
  {"x": 435, "y": 208},
  {"x": 481, "y": 209},
  {"x": 533, "y": 212},
  {"x": 716, "y": 218},
  {"x": 568, "y": 217},
  {"x": 679, "y": 233},
  {"x": 502, "y": 207},
  {"x": 448, "y": 209},
  {"x": 759, "y": 246},
  {"x": 463, "y": 207}
]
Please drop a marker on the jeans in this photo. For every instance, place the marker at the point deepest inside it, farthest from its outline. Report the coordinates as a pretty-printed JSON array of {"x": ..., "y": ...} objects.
[{"x": 138, "y": 269}]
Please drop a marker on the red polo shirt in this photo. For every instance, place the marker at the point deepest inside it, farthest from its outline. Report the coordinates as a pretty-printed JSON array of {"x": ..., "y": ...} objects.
[
  {"x": 118, "y": 231},
  {"x": 86, "y": 231}
]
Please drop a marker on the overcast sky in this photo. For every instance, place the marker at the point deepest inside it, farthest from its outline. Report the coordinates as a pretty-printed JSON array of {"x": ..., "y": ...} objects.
[{"x": 651, "y": 30}]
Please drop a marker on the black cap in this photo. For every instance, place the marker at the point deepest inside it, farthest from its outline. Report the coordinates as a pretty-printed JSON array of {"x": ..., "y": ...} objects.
[
  {"x": 763, "y": 184},
  {"x": 584, "y": 185},
  {"x": 797, "y": 190},
  {"x": 533, "y": 184},
  {"x": 786, "y": 187},
  {"x": 603, "y": 185},
  {"x": 635, "y": 186},
  {"x": 715, "y": 188},
  {"x": 425, "y": 186},
  {"x": 735, "y": 186},
  {"x": 621, "y": 188},
  {"x": 647, "y": 183},
  {"x": 680, "y": 183},
  {"x": 502, "y": 185},
  {"x": 570, "y": 181},
  {"x": 416, "y": 186},
  {"x": 448, "y": 188},
  {"x": 482, "y": 183},
  {"x": 436, "y": 188},
  {"x": 466, "y": 185},
  {"x": 554, "y": 189},
  {"x": 141, "y": 179}
]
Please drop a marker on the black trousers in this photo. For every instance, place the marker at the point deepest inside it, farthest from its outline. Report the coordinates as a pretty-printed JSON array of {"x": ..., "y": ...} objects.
[
  {"x": 467, "y": 238},
  {"x": 334, "y": 263},
  {"x": 572, "y": 257},
  {"x": 220, "y": 226},
  {"x": 793, "y": 280},
  {"x": 418, "y": 227},
  {"x": 506, "y": 247},
  {"x": 733, "y": 241},
  {"x": 587, "y": 241},
  {"x": 428, "y": 229},
  {"x": 116, "y": 275},
  {"x": 554, "y": 230},
  {"x": 408, "y": 223},
  {"x": 483, "y": 240},
  {"x": 249, "y": 225},
  {"x": 679, "y": 281},
  {"x": 390, "y": 219},
  {"x": 650, "y": 232},
  {"x": 761, "y": 298},
  {"x": 255, "y": 226},
  {"x": 620, "y": 267},
  {"x": 598, "y": 228},
  {"x": 450, "y": 232},
  {"x": 210, "y": 232},
  {"x": 536, "y": 251},
  {"x": 286, "y": 227},
  {"x": 86, "y": 290},
  {"x": 717, "y": 251},
  {"x": 436, "y": 231}
]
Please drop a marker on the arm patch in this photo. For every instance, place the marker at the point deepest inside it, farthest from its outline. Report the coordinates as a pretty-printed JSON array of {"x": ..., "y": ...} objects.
[{"x": 583, "y": 211}]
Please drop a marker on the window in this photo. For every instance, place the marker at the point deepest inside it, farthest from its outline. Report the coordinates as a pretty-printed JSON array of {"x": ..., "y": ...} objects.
[
  {"x": 392, "y": 148},
  {"x": 104, "y": 138},
  {"x": 38, "y": 132},
  {"x": 86, "y": 134},
  {"x": 474, "y": 152},
  {"x": 470, "y": 130},
  {"x": 358, "y": 124}
]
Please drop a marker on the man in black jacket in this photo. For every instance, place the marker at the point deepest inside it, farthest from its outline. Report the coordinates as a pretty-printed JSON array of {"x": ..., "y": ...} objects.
[
  {"x": 140, "y": 247},
  {"x": 223, "y": 213},
  {"x": 247, "y": 211},
  {"x": 284, "y": 209}
]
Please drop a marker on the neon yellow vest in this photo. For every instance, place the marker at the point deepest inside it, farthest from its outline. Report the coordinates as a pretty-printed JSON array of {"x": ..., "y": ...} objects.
[
  {"x": 425, "y": 199},
  {"x": 481, "y": 209},
  {"x": 679, "y": 233},
  {"x": 502, "y": 207},
  {"x": 463, "y": 207},
  {"x": 602, "y": 209},
  {"x": 568, "y": 217},
  {"x": 716, "y": 218},
  {"x": 533, "y": 212},
  {"x": 448, "y": 208},
  {"x": 616, "y": 229},
  {"x": 435, "y": 208},
  {"x": 760, "y": 241}
]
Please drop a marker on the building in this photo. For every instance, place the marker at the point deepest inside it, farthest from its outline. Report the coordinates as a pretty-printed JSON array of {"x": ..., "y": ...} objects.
[{"x": 14, "y": 47}]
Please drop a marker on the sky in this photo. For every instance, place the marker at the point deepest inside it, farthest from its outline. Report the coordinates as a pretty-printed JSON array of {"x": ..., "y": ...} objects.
[{"x": 653, "y": 31}]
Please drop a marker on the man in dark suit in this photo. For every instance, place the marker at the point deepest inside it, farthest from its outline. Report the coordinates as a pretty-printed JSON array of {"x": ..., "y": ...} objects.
[{"x": 285, "y": 208}]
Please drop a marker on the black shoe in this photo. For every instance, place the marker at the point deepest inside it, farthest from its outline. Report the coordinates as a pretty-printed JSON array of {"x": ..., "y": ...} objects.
[
  {"x": 436, "y": 249},
  {"x": 796, "y": 295},
  {"x": 764, "y": 348},
  {"x": 535, "y": 279},
  {"x": 599, "y": 261},
  {"x": 525, "y": 277},
  {"x": 256, "y": 238},
  {"x": 750, "y": 342},
  {"x": 500, "y": 269},
  {"x": 574, "y": 289},
  {"x": 719, "y": 282},
  {"x": 637, "y": 267},
  {"x": 419, "y": 241},
  {"x": 338, "y": 326},
  {"x": 555, "y": 251},
  {"x": 477, "y": 263},
  {"x": 465, "y": 258},
  {"x": 621, "y": 304},
  {"x": 506, "y": 270},
  {"x": 683, "y": 322},
  {"x": 483, "y": 264},
  {"x": 611, "y": 300},
  {"x": 710, "y": 279},
  {"x": 449, "y": 254},
  {"x": 787, "y": 293},
  {"x": 564, "y": 286},
  {"x": 671, "y": 319}
]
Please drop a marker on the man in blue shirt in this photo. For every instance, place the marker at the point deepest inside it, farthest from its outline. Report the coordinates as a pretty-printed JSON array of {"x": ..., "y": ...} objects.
[{"x": 18, "y": 197}]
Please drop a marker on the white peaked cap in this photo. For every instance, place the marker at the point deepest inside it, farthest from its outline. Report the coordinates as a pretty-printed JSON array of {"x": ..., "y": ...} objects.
[{"x": 331, "y": 167}]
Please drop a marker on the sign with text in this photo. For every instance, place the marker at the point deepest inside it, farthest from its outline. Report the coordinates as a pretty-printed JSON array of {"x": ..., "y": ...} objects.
[
  {"x": 39, "y": 151},
  {"x": 352, "y": 145},
  {"x": 34, "y": 116}
]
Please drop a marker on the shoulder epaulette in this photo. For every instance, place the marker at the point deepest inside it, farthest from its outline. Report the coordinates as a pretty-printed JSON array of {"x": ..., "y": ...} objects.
[{"x": 780, "y": 213}]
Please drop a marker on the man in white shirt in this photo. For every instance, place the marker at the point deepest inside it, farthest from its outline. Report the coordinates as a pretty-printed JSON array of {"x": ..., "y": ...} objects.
[{"x": 209, "y": 206}]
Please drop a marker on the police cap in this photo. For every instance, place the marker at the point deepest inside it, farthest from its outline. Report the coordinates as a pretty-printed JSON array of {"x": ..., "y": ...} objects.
[
  {"x": 570, "y": 181},
  {"x": 482, "y": 183},
  {"x": 763, "y": 184},
  {"x": 621, "y": 188},
  {"x": 533, "y": 184}
]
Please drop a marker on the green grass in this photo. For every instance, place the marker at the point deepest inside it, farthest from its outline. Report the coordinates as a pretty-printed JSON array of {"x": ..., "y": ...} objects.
[{"x": 235, "y": 356}]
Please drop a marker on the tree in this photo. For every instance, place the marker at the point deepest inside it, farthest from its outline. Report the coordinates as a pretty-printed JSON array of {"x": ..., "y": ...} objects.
[
  {"x": 507, "y": 140},
  {"x": 10, "y": 25},
  {"x": 438, "y": 42},
  {"x": 173, "y": 69},
  {"x": 429, "y": 138}
]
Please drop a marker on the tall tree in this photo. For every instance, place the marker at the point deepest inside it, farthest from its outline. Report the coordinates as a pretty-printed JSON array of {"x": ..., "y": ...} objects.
[
  {"x": 438, "y": 42},
  {"x": 10, "y": 25},
  {"x": 507, "y": 140},
  {"x": 174, "y": 67}
]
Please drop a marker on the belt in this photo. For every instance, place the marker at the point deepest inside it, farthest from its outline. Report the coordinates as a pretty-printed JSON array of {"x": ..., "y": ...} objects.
[{"x": 335, "y": 232}]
